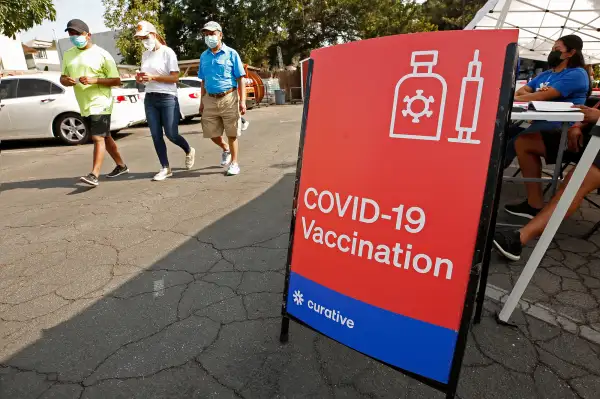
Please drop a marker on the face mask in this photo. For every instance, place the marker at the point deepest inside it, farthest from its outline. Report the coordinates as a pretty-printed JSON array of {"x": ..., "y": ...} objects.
[
  {"x": 211, "y": 41},
  {"x": 149, "y": 43},
  {"x": 554, "y": 59},
  {"x": 79, "y": 41}
]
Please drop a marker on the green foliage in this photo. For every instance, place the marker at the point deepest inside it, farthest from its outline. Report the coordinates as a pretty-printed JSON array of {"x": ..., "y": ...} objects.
[
  {"x": 256, "y": 28},
  {"x": 123, "y": 15},
  {"x": 451, "y": 14},
  {"x": 248, "y": 26},
  {"x": 18, "y": 15}
]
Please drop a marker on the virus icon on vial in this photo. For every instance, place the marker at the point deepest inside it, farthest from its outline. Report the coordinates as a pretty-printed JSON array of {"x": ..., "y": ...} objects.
[
  {"x": 424, "y": 112},
  {"x": 298, "y": 298}
]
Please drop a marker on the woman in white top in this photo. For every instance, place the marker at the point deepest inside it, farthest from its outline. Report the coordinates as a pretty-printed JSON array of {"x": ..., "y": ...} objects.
[{"x": 160, "y": 74}]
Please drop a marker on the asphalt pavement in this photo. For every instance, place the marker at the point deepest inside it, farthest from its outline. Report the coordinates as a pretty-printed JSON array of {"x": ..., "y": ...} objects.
[{"x": 141, "y": 289}]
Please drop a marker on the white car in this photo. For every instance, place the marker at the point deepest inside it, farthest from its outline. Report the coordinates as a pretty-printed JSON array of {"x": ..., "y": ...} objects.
[
  {"x": 39, "y": 106},
  {"x": 189, "y": 97},
  {"x": 191, "y": 81},
  {"x": 197, "y": 83}
]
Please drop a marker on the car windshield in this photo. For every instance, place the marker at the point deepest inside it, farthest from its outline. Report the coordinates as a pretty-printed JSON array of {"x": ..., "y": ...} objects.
[
  {"x": 129, "y": 84},
  {"x": 191, "y": 82}
]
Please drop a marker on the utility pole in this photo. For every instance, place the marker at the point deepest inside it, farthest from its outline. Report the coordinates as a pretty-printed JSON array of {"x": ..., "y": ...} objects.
[{"x": 60, "y": 55}]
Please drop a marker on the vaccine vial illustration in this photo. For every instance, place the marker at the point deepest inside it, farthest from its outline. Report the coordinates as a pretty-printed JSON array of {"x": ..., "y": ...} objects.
[
  {"x": 419, "y": 101},
  {"x": 469, "y": 103}
]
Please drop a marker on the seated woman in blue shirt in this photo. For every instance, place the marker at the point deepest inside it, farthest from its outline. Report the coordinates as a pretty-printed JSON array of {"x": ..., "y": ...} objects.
[{"x": 566, "y": 81}]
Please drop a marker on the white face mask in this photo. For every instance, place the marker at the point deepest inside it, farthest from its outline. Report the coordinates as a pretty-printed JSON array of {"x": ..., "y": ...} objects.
[{"x": 149, "y": 43}]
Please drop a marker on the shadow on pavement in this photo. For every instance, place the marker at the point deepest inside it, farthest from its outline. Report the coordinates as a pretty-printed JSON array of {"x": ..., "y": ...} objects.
[
  {"x": 200, "y": 322},
  {"x": 203, "y": 322},
  {"x": 79, "y": 187},
  {"x": 47, "y": 143}
]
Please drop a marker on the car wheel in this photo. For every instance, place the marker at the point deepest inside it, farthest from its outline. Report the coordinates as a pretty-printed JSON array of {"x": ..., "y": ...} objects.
[{"x": 71, "y": 130}]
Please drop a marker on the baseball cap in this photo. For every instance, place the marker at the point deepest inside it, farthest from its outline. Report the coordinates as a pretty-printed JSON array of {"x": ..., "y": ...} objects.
[
  {"x": 212, "y": 26},
  {"x": 144, "y": 28},
  {"x": 78, "y": 26}
]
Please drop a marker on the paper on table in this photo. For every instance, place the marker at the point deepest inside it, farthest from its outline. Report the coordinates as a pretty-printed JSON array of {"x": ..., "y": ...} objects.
[{"x": 552, "y": 106}]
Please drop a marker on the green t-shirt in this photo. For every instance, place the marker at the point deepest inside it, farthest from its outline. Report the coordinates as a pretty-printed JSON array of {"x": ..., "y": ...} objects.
[{"x": 94, "y": 62}]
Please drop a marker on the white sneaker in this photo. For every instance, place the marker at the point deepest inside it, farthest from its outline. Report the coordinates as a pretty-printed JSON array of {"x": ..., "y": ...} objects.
[
  {"x": 225, "y": 158},
  {"x": 163, "y": 174},
  {"x": 245, "y": 125},
  {"x": 190, "y": 159},
  {"x": 233, "y": 170}
]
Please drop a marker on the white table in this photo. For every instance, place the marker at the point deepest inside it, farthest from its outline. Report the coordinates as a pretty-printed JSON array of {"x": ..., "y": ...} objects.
[{"x": 566, "y": 118}]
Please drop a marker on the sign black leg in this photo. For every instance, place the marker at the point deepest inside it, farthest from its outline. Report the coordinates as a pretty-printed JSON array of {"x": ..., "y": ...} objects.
[
  {"x": 497, "y": 164},
  {"x": 285, "y": 329}
]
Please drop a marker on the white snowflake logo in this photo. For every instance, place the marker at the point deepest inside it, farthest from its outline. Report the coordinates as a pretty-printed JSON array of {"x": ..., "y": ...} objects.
[{"x": 298, "y": 297}]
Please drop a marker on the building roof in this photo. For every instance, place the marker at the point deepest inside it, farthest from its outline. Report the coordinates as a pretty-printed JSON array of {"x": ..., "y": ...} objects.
[
  {"x": 28, "y": 50},
  {"x": 39, "y": 43}
]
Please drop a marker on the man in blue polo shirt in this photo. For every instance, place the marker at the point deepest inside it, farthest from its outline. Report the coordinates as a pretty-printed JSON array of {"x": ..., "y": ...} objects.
[{"x": 222, "y": 72}]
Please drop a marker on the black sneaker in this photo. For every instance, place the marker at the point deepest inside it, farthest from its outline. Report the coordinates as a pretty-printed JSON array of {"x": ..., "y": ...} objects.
[
  {"x": 523, "y": 210},
  {"x": 508, "y": 243},
  {"x": 118, "y": 171},
  {"x": 90, "y": 179}
]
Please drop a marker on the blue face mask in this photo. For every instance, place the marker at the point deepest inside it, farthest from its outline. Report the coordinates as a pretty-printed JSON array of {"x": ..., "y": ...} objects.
[
  {"x": 211, "y": 41},
  {"x": 79, "y": 41}
]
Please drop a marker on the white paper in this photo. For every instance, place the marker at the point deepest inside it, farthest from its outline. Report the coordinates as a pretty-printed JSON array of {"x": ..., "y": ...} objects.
[{"x": 552, "y": 106}]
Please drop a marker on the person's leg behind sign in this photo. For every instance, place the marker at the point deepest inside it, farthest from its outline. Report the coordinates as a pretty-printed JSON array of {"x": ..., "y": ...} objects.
[
  {"x": 230, "y": 106},
  {"x": 515, "y": 130},
  {"x": 99, "y": 127},
  {"x": 530, "y": 150},
  {"x": 170, "y": 114},
  {"x": 510, "y": 243},
  {"x": 212, "y": 127}
]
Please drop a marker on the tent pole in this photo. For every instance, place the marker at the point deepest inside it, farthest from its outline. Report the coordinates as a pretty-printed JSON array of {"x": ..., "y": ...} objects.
[{"x": 503, "y": 14}]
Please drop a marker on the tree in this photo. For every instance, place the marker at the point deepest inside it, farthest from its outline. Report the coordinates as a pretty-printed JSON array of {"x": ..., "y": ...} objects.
[
  {"x": 248, "y": 26},
  {"x": 311, "y": 24},
  {"x": 390, "y": 17},
  {"x": 123, "y": 16},
  {"x": 18, "y": 15},
  {"x": 451, "y": 14}
]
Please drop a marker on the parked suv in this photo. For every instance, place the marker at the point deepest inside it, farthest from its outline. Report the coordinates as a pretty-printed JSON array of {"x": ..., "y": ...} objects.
[{"x": 39, "y": 106}]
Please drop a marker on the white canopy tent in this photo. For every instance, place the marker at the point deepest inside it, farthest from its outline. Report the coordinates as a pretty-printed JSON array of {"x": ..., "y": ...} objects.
[{"x": 542, "y": 22}]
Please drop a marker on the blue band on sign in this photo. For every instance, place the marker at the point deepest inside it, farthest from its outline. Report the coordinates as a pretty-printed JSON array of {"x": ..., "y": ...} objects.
[{"x": 409, "y": 344}]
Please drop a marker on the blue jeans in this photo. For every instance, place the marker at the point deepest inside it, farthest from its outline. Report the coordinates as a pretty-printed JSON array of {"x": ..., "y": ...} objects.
[{"x": 162, "y": 112}]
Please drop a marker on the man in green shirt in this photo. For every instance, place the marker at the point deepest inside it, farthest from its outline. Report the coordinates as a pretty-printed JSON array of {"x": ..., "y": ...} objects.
[{"x": 93, "y": 72}]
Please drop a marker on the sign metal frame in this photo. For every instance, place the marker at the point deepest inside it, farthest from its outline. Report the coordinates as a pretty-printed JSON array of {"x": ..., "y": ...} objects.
[{"x": 481, "y": 255}]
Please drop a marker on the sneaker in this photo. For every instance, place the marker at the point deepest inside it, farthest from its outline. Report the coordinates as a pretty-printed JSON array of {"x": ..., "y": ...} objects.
[
  {"x": 190, "y": 159},
  {"x": 118, "y": 171},
  {"x": 225, "y": 158},
  {"x": 163, "y": 174},
  {"x": 233, "y": 170},
  {"x": 245, "y": 125},
  {"x": 90, "y": 179},
  {"x": 523, "y": 210},
  {"x": 508, "y": 243}
]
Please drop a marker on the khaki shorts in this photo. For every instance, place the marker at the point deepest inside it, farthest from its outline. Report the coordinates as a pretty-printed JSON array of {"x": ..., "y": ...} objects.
[{"x": 221, "y": 115}]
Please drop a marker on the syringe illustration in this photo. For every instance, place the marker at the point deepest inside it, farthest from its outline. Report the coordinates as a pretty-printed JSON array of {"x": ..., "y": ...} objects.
[{"x": 472, "y": 87}]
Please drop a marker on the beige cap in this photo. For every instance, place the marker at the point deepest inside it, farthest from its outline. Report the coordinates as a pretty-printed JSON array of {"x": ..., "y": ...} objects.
[
  {"x": 144, "y": 28},
  {"x": 212, "y": 26}
]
